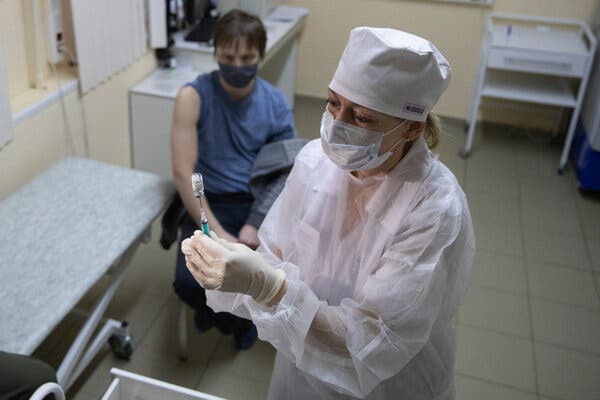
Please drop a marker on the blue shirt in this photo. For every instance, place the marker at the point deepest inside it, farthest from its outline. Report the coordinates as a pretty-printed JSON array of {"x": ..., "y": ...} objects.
[{"x": 231, "y": 133}]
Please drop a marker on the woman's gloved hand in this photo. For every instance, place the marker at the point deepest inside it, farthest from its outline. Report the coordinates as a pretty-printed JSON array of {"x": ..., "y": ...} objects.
[{"x": 231, "y": 267}]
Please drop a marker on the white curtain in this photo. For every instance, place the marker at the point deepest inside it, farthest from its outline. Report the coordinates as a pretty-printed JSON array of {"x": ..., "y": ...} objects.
[
  {"x": 109, "y": 35},
  {"x": 6, "y": 122}
]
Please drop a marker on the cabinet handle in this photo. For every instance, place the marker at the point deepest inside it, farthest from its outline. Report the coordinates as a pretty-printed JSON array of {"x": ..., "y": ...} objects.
[{"x": 525, "y": 61}]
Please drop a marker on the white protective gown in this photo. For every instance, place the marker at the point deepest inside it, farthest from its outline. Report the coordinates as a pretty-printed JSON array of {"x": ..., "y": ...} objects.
[{"x": 376, "y": 269}]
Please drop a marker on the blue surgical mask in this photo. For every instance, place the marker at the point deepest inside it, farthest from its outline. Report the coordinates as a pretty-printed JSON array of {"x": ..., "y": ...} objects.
[{"x": 238, "y": 77}]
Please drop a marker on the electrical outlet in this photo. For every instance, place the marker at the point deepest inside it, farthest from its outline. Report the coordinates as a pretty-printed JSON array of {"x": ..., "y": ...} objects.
[{"x": 55, "y": 30}]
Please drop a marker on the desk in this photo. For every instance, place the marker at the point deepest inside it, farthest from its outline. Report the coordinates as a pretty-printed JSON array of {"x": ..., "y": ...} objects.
[
  {"x": 60, "y": 234},
  {"x": 151, "y": 101}
]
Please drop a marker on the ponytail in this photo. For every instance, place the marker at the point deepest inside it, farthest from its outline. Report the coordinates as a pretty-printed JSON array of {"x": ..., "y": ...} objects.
[{"x": 433, "y": 130}]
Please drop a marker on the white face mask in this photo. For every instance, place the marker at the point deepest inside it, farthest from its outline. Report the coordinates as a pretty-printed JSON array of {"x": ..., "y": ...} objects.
[{"x": 351, "y": 147}]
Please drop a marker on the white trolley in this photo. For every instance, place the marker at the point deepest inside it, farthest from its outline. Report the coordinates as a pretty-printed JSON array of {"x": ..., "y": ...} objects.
[
  {"x": 537, "y": 60},
  {"x": 127, "y": 385}
]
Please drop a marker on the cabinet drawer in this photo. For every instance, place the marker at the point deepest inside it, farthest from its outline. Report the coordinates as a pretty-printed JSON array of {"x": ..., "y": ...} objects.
[{"x": 537, "y": 62}]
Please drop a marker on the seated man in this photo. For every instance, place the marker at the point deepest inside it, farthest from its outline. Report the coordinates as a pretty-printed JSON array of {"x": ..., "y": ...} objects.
[{"x": 220, "y": 122}]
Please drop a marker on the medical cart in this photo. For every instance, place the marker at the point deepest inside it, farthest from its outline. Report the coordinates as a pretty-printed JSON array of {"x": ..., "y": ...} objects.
[{"x": 534, "y": 59}]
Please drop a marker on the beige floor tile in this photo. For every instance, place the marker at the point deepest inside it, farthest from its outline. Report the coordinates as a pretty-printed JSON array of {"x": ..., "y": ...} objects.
[
  {"x": 493, "y": 182},
  {"x": 498, "y": 237},
  {"x": 562, "y": 284},
  {"x": 527, "y": 159},
  {"x": 594, "y": 249},
  {"x": 499, "y": 271},
  {"x": 543, "y": 168},
  {"x": 567, "y": 375},
  {"x": 474, "y": 389},
  {"x": 154, "y": 364},
  {"x": 567, "y": 326},
  {"x": 163, "y": 335},
  {"x": 589, "y": 212},
  {"x": 81, "y": 395},
  {"x": 497, "y": 311},
  {"x": 541, "y": 187},
  {"x": 555, "y": 248},
  {"x": 496, "y": 358},
  {"x": 96, "y": 378},
  {"x": 497, "y": 136},
  {"x": 152, "y": 267},
  {"x": 553, "y": 214},
  {"x": 255, "y": 363},
  {"x": 231, "y": 386},
  {"x": 139, "y": 309},
  {"x": 551, "y": 153},
  {"x": 491, "y": 157},
  {"x": 550, "y": 156},
  {"x": 495, "y": 207},
  {"x": 591, "y": 226}
]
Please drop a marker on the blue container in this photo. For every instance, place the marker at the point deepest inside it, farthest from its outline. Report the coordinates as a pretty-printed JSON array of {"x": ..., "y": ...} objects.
[{"x": 586, "y": 160}]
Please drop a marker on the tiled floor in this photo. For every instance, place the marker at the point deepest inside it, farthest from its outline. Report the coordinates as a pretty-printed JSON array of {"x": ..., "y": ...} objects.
[{"x": 529, "y": 328}]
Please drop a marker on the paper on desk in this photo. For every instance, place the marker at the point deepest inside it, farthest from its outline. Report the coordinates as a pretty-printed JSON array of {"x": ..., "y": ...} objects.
[{"x": 287, "y": 13}]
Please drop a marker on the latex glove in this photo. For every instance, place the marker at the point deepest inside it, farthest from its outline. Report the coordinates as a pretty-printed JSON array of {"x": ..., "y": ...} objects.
[
  {"x": 231, "y": 267},
  {"x": 249, "y": 236}
]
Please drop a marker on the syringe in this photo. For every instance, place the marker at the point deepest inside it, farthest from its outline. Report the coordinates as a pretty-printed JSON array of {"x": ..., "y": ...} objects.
[{"x": 198, "y": 188}]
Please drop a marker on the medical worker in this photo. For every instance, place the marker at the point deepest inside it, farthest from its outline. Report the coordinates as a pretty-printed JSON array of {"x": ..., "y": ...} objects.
[{"x": 365, "y": 255}]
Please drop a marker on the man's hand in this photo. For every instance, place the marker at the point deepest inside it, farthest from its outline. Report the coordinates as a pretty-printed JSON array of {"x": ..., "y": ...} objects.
[
  {"x": 249, "y": 236},
  {"x": 223, "y": 234}
]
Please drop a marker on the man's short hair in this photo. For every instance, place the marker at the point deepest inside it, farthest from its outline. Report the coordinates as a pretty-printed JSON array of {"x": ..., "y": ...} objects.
[{"x": 237, "y": 24}]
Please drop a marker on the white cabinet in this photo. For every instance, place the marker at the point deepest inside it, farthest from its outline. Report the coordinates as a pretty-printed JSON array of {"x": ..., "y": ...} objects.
[
  {"x": 151, "y": 106},
  {"x": 536, "y": 60},
  {"x": 151, "y": 151}
]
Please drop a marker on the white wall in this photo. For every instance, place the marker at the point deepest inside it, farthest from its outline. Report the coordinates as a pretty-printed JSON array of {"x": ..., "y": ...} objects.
[{"x": 41, "y": 140}]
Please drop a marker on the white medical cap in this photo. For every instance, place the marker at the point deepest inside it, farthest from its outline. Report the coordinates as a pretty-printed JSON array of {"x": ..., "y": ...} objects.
[{"x": 392, "y": 72}]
